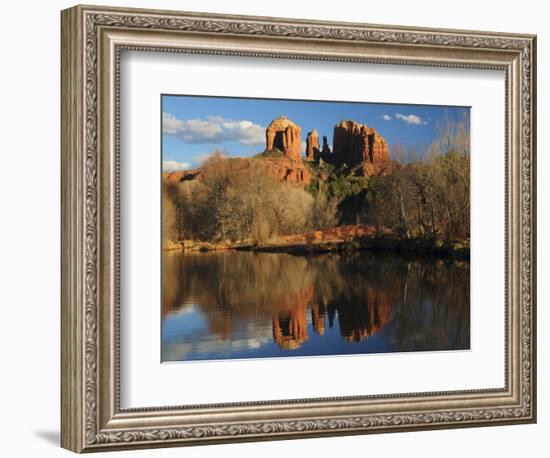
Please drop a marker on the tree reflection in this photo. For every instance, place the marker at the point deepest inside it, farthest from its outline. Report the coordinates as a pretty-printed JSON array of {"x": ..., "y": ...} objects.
[{"x": 423, "y": 303}]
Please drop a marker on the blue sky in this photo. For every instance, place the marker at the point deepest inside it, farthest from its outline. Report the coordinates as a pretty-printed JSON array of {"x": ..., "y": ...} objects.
[{"x": 193, "y": 126}]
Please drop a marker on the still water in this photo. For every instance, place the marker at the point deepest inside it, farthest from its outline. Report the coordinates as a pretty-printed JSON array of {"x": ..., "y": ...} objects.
[{"x": 229, "y": 305}]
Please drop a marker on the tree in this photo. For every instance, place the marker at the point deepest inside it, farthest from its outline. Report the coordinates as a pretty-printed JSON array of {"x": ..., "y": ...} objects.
[
  {"x": 236, "y": 199},
  {"x": 324, "y": 210},
  {"x": 217, "y": 178},
  {"x": 430, "y": 194},
  {"x": 169, "y": 217}
]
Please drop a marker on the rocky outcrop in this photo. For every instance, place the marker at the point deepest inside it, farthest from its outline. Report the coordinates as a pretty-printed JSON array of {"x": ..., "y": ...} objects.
[
  {"x": 284, "y": 135},
  {"x": 382, "y": 168},
  {"x": 284, "y": 169},
  {"x": 312, "y": 145},
  {"x": 354, "y": 143},
  {"x": 279, "y": 168}
]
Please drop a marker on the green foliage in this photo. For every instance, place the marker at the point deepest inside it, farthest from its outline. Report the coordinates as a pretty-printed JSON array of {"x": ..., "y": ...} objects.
[
  {"x": 342, "y": 190},
  {"x": 342, "y": 186}
]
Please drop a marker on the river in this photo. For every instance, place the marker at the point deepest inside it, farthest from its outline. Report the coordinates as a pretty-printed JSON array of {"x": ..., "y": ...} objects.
[{"x": 237, "y": 304}]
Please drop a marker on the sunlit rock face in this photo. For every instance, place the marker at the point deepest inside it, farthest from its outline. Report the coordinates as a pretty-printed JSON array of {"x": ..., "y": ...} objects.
[
  {"x": 354, "y": 143},
  {"x": 284, "y": 135},
  {"x": 312, "y": 145},
  {"x": 284, "y": 169}
]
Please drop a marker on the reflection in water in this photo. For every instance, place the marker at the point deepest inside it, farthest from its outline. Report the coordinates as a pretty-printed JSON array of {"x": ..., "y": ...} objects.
[{"x": 246, "y": 305}]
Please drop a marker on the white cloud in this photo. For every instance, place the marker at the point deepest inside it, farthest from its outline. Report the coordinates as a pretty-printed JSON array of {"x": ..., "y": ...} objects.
[
  {"x": 303, "y": 147},
  {"x": 409, "y": 119},
  {"x": 173, "y": 166},
  {"x": 386, "y": 117},
  {"x": 170, "y": 124},
  {"x": 214, "y": 129}
]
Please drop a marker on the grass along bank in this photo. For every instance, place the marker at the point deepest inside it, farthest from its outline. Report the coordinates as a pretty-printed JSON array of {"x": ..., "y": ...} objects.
[{"x": 338, "y": 239}]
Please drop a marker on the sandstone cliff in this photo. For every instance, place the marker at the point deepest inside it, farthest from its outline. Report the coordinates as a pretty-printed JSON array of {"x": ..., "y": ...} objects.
[
  {"x": 354, "y": 143},
  {"x": 284, "y": 169},
  {"x": 281, "y": 168},
  {"x": 285, "y": 136},
  {"x": 312, "y": 145}
]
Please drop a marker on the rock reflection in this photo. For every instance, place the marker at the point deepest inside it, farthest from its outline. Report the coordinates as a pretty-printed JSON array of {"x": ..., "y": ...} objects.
[{"x": 322, "y": 304}]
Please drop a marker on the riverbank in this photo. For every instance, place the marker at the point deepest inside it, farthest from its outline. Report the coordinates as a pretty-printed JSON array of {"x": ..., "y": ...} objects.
[
  {"x": 309, "y": 244},
  {"x": 410, "y": 246}
]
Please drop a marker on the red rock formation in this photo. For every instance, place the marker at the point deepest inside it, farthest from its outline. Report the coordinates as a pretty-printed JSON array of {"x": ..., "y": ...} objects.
[
  {"x": 354, "y": 143},
  {"x": 379, "y": 148},
  {"x": 284, "y": 169},
  {"x": 280, "y": 168},
  {"x": 312, "y": 145},
  {"x": 284, "y": 135},
  {"x": 384, "y": 168}
]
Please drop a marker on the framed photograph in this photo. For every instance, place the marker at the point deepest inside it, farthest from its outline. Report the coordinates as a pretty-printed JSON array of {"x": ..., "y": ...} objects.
[{"x": 280, "y": 228}]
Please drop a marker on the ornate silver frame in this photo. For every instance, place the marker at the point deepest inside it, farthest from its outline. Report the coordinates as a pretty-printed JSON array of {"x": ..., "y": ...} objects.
[{"x": 92, "y": 39}]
